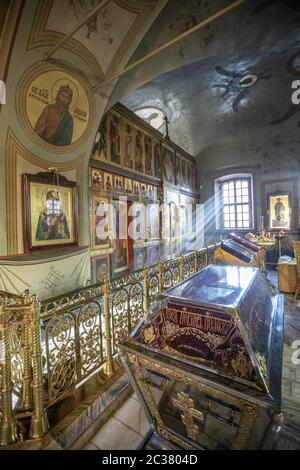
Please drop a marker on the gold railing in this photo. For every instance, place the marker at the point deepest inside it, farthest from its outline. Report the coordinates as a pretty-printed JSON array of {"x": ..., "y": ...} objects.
[{"x": 49, "y": 350}]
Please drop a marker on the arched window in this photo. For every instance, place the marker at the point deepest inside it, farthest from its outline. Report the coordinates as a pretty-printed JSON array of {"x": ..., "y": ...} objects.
[{"x": 234, "y": 206}]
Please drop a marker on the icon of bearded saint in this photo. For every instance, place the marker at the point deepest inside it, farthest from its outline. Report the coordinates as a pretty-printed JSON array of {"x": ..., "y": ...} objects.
[
  {"x": 55, "y": 125},
  {"x": 52, "y": 224}
]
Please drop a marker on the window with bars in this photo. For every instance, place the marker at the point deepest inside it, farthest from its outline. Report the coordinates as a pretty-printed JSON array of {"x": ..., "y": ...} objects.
[{"x": 235, "y": 202}]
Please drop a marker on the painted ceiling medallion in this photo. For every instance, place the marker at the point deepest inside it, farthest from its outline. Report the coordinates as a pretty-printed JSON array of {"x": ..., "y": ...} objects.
[
  {"x": 152, "y": 116},
  {"x": 238, "y": 83}
]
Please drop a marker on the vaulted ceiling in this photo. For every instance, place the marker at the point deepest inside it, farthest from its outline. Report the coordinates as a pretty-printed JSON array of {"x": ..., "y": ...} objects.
[{"x": 230, "y": 80}]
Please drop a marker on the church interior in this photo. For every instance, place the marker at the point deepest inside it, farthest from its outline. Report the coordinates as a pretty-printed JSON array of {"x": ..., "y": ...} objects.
[{"x": 150, "y": 227}]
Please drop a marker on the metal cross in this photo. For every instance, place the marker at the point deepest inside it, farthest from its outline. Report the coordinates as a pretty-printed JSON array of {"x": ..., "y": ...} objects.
[{"x": 186, "y": 404}]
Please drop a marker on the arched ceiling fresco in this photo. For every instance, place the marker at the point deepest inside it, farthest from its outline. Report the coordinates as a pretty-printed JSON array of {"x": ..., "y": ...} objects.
[{"x": 230, "y": 80}]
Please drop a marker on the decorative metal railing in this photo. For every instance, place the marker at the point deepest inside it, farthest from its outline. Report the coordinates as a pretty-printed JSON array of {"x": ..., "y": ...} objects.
[{"x": 48, "y": 350}]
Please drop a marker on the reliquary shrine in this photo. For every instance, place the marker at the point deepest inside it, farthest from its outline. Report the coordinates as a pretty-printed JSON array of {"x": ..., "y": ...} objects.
[{"x": 213, "y": 346}]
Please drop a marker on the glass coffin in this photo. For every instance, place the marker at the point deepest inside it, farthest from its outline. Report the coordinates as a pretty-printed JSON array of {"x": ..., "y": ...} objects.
[
  {"x": 211, "y": 351},
  {"x": 238, "y": 251}
]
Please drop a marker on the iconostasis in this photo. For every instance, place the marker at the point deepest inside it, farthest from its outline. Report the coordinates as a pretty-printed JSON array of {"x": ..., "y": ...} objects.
[{"x": 139, "y": 172}]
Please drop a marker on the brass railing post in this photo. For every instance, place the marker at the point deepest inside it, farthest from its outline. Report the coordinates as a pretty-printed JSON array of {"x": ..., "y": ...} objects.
[
  {"x": 146, "y": 289},
  {"x": 206, "y": 256},
  {"x": 196, "y": 262},
  {"x": 109, "y": 368},
  {"x": 181, "y": 267},
  {"x": 8, "y": 424},
  {"x": 27, "y": 368},
  {"x": 160, "y": 276},
  {"x": 214, "y": 251},
  {"x": 39, "y": 421}
]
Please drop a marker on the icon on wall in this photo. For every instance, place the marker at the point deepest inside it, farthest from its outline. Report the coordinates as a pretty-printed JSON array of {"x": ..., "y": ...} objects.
[
  {"x": 279, "y": 210},
  {"x": 57, "y": 108}
]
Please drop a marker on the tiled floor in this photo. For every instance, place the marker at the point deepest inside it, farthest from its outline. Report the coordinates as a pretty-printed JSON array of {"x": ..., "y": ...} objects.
[{"x": 126, "y": 429}]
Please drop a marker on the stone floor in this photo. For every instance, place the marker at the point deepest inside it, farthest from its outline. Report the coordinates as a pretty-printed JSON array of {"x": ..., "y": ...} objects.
[{"x": 126, "y": 429}]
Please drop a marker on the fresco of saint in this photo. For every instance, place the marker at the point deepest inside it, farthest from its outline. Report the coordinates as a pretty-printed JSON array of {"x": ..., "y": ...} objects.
[
  {"x": 128, "y": 148},
  {"x": 148, "y": 155},
  {"x": 139, "y": 152},
  {"x": 55, "y": 125},
  {"x": 115, "y": 142}
]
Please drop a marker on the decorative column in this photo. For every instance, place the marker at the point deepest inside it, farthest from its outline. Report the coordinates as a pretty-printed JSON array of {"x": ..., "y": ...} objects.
[
  {"x": 145, "y": 289},
  {"x": 109, "y": 368},
  {"x": 27, "y": 368},
  {"x": 181, "y": 267},
  {"x": 160, "y": 276},
  {"x": 196, "y": 262},
  {"x": 39, "y": 421},
  {"x": 8, "y": 424}
]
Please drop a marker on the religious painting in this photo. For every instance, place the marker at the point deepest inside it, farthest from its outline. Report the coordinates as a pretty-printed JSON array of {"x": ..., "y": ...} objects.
[
  {"x": 57, "y": 108},
  {"x": 156, "y": 160},
  {"x": 139, "y": 152},
  {"x": 139, "y": 258},
  {"x": 143, "y": 189},
  {"x": 168, "y": 165},
  {"x": 100, "y": 148},
  {"x": 115, "y": 139},
  {"x": 128, "y": 183},
  {"x": 279, "y": 210},
  {"x": 178, "y": 169},
  {"x": 136, "y": 188},
  {"x": 100, "y": 268},
  {"x": 50, "y": 211},
  {"x": 183, "y": 180},
  {"x": 128, "y": 145},
  {"x": 153, "y": 221},
  {"x": 148, "y": 155},
  {"x": 150, "y": 192},
  {"x": 107, "y": 182},
  {"x": 118, "y": 184},
  {"x": 188, "y": 175},
  {"x": 100, "y": 223},
  {"x": 96, "y": 179},
  {"x": 152, "y": 255},
  {"x": 120, "y": 257},
  {"x": 139, "y": 215}
]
